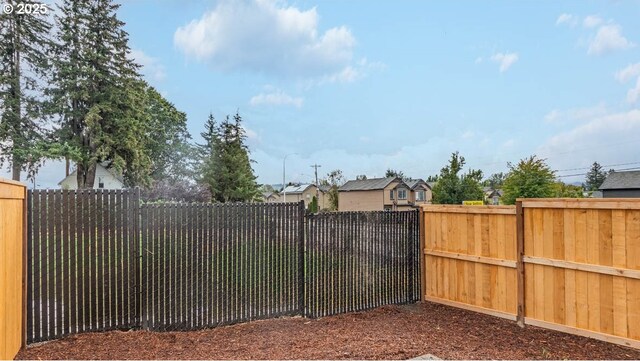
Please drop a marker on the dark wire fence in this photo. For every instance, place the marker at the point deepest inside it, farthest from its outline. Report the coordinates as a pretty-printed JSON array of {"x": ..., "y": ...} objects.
[
  {"x": 211, "y": 264},
  {"x": 82, "y": 269},
  {"x": 102, "y": 259},
  {"x": 361, "y": 260}
]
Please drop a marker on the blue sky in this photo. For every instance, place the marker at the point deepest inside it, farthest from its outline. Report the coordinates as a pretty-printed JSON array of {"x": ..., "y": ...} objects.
[{"x": 363, "y": 86}]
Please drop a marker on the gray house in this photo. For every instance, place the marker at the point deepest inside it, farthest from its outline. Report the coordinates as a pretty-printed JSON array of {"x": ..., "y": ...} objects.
[{"x": 622, "y": 185}]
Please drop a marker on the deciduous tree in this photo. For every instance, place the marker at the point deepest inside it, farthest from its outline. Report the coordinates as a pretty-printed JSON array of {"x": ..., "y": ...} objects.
[
  {"x": 454, "y": 188},
  {"x": 530, "y": 178}
]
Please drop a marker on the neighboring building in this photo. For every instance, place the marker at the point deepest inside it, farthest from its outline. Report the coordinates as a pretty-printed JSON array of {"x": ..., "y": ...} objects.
[
  {"x": 270, "y": 197},
  {"x": 305, "y": 192},
  {"x": 420, "y": 191},
  {"x": 492, "y": 196},
  {"x": 378, "y": 194},
  {"x": 621, "y": 185},
  {"x": 105, "y": 179}
]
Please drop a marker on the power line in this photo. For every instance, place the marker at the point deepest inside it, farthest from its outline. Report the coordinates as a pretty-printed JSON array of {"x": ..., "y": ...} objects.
[
  {"x": 578, "y": 174},
  {"x": 606, "y": 165}
]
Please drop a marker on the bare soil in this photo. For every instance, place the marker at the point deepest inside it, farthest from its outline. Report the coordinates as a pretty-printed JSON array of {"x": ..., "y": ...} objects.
[{"x": 390, "y": 332}]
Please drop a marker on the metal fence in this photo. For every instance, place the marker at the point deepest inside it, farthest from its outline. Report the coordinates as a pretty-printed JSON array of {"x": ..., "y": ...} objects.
[
  {"x": 102, "y": 259},
  {"x": 212, "y": 264},
  {"x": 361, "y": 260},
  {"x": 82, "y": 269}
]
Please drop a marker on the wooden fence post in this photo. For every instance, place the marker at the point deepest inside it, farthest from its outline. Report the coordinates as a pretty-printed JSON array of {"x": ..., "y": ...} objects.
[
  {"x": 423, "y": 264},
  {"x": 25, "y": 216},
  {"x": 520, "y": 262}
]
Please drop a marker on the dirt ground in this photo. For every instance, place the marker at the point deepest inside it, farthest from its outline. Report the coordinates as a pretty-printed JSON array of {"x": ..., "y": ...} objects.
[{"x": 390, "y": 332}]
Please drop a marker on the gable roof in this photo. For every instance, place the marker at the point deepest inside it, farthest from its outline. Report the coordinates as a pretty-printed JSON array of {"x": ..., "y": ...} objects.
[
  {"x": 622, "y": 180},
  {"x": 413, "y": 183},
  {"x": 367, "y": 184}
]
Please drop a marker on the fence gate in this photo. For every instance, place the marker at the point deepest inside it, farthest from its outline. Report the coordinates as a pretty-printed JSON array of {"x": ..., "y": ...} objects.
[
  {"x": 361, "y": 260},
  {"x": 82, "y": 262},
  {"x": 206, "y": 265}
]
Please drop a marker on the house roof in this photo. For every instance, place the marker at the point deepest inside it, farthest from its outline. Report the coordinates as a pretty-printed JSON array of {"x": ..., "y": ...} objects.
[
  {"x": 367, "y": 184},
  {"x": 413, "y": 183},
  {"x": 296, "y": 188},
  {"x": 622, "y": 180},
  {"x": 431, "y": 184},
  {"x": 99, "y": 165},
  {"x": 324, "y": 188},
  {"x": 494, "y": 192}
]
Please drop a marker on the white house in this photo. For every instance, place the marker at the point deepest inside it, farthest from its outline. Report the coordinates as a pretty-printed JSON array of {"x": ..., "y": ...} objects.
[{"x": 105, "y": 179}]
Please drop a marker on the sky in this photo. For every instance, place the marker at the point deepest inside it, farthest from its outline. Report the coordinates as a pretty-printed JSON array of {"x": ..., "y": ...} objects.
[{"x": 363, "y": 86}]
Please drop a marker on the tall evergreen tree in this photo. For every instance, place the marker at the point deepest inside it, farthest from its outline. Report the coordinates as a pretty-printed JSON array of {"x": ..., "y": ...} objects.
[
  {"x": 595, "y": 177},
  {"x": 226, "y": 166},
  {"x": 98, "y": 93},
  {"x": 25, "y": 47}
]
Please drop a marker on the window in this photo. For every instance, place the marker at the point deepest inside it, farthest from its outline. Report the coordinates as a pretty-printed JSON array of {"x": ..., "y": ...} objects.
[
  {"x": 392, "y": 193},
  {"x": 387, "y": 208},
  {"x": 420, "y": 196},
  {"x": 100, "y": 183},
  {"x": 402, "y": 194}
]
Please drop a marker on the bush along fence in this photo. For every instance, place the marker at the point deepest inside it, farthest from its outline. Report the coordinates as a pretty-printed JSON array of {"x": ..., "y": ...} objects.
[
  {"x": 565, "y": 264},
  {"x": 104, "y": 259}
]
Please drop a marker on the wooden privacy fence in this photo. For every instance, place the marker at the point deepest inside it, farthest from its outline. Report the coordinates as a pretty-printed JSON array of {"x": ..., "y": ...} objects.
[
  {"x": 582, "y": 267},
  {"x": 12, "y": 247},
  {"x": 565, "y": 264},
  {"x": 471, "y": 258},
  {"x": 103, "y": 259}
]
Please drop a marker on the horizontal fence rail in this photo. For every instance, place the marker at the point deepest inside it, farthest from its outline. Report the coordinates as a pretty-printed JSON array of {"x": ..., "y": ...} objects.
[
  {"x": 82, "y": 262},
  {"x": 210, "y": 264},
  {"x": 361, "y": 260}
]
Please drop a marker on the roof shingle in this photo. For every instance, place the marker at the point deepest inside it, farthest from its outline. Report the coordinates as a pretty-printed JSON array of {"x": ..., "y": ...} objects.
[{"x": 622, "y": 180}]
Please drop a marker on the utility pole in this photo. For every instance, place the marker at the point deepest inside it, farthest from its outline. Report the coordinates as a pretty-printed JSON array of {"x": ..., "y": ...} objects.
[{"x": 315, "y": 167}]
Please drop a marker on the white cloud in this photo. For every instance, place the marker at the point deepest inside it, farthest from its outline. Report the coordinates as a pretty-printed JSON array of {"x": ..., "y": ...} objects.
[
  {"x": 479, "y": 60},
  {"x": 468, "y": 134},
  {"x": 628, "y": 73},
  {"x": 633, "y": 95},
  {"x": 593, "y": 139},
  {"x": 250, "y": 133},
  {"x": 591, "y": 21},
  {"x": 266, "y": 36},
  {"x": 610, "y": 138},
  {"x": 152, "y": 69},
  {"x": 560, "y": 116},
  {"x": 607, "y": 39},
  {"x": 567, "y": 19},
  {"x": 505, "y": 60},
  {"x": 277, "y": 97}
]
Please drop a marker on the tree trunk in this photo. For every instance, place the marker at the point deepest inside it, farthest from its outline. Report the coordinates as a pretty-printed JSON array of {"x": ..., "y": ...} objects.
[
  {"x": 16, "y": 171},
  {"x": 85, "y": 176},
  {"x": 16, "y": 164},
  {"x": 66, "y": 166}
]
